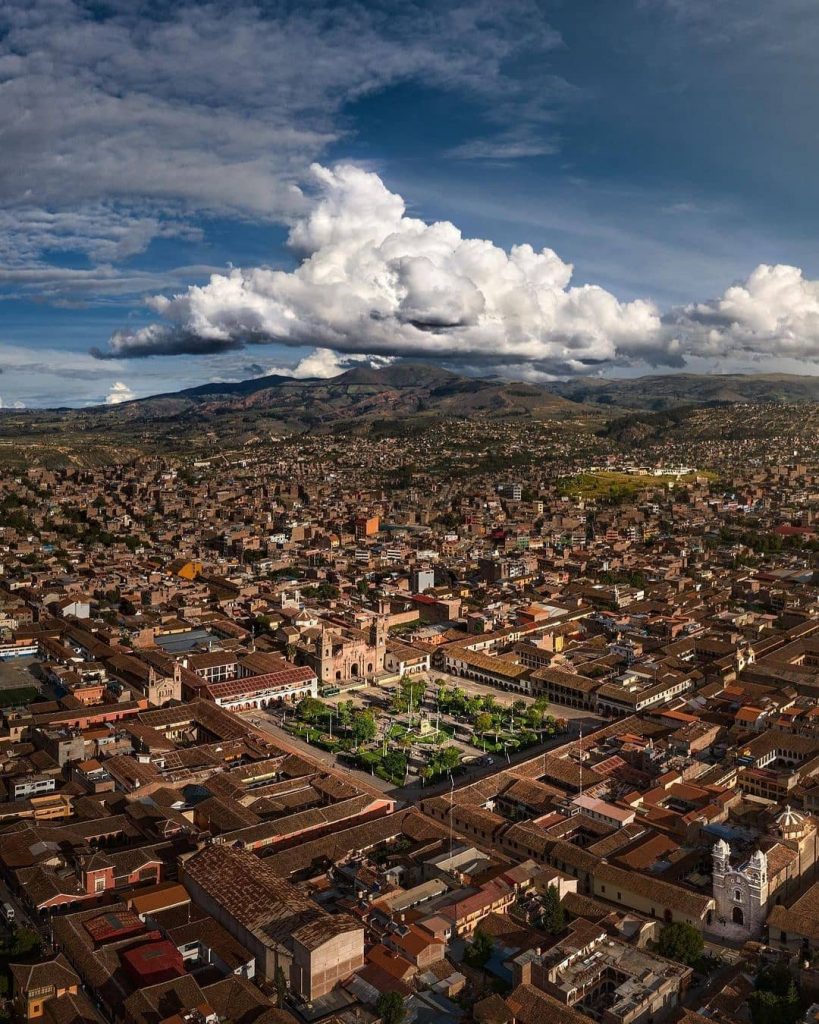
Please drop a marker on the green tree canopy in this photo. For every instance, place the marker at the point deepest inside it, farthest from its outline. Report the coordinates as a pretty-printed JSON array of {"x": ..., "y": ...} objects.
[
  {"x": 390, "y": 1007},
  {"x": 479, "y": 949},
  {"x": 682, "y": 942},
  {"x": 483, "y": 722},
  {"x": 363, "y": 726},
  {"x": 310, "y": 709},
  {"x": 554, "y": 916}
]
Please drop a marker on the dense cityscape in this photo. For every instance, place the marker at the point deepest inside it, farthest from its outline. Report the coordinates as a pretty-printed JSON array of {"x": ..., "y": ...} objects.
[
  {"x": 409, "y": 512},
  {"x": 504, "y": 720}
]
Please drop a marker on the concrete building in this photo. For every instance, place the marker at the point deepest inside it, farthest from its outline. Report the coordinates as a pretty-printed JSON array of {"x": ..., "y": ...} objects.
[
  {"x": 607, "y": 979},
  {"x": 422, "y": 580}
]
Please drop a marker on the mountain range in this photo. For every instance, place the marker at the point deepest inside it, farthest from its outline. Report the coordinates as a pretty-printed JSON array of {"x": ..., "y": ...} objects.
[
  {"x": 406, "y": 389},
  {"x": 398, "y": 391},
  {"x": 401, "y": 398},
  {"x": 396, "y": 398}
]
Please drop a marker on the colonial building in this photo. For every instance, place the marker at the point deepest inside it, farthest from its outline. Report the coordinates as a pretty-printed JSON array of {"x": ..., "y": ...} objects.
[
  {"x": 338, "y": 654},
  {"x": 744, "y": 894},
  {"x": 741, "y": 893},
  {"x": 284, "y": 929}
]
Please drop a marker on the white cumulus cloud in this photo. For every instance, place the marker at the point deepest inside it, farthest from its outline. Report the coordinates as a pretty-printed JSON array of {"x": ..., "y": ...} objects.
[
  {"x": 324, "y": 362},
  {"x": 120, "y": 392},
  {"x": 373, "y": 280},
  {"x": 775, "y": 312},
  {"x": 376, "y": 282}
]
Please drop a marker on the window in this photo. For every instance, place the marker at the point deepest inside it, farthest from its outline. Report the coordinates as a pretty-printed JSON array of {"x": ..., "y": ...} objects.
[{"x": 99, "y": 884}]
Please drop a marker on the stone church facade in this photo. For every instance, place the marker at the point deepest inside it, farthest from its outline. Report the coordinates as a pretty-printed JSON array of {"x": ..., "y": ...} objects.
[
  {"x": 745, "y": 893},
  {"x": 340, "y": 655}
]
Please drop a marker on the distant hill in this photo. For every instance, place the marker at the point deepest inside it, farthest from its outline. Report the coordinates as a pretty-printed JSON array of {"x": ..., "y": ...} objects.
[
  {"x": 403, "y": 396},
  {"x": 362, "y": 394},
  {"x": 408, "y": 388},
  {"x": 396, "y": 400},
  {"x": 673, "y": 390}
]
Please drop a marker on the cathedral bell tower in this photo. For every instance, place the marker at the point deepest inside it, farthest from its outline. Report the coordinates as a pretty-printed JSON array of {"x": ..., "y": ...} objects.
[{"x": 378, "y": 640}]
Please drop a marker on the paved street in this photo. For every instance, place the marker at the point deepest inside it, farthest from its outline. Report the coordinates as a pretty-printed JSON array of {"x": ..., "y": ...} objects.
[{"x": 21, "y": 917}]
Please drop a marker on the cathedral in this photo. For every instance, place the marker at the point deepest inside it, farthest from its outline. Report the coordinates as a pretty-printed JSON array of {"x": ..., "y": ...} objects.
[{"x": 340, "y": 654}]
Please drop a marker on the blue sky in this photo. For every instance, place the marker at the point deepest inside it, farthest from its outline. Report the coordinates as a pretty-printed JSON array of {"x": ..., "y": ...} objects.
[{"x": 665, "y": 150}]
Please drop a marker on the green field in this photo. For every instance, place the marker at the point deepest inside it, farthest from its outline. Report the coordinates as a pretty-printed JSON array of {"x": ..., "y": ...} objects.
[
  {"x": 611, "y": 484},
  {"x": 18, "y": 695}
]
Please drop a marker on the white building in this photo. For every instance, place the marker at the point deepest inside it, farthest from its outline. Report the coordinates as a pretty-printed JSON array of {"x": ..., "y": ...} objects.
[{"x": 741, "y": 893}]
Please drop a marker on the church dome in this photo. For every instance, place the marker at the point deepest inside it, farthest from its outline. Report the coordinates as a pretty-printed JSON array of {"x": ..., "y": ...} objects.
[{"x": 789, "y": 822}]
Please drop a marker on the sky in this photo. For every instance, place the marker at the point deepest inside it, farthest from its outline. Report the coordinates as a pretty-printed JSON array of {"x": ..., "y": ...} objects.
[{"x": 194, "y": 192}]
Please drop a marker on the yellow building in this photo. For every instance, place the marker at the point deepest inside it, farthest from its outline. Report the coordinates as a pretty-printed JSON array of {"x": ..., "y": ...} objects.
[
  {"x": 35, "y": 984},
  {"x": 186, "y": 569}
]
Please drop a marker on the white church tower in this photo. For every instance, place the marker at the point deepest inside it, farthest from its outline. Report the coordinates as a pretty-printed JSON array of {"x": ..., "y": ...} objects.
[{"x": 741, "y": 894}]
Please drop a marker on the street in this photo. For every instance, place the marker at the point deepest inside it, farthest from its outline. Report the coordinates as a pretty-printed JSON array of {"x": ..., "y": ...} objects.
[{"x": 22, "y": 918}]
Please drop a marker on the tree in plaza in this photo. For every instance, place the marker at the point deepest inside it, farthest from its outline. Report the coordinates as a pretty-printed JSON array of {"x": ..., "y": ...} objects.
[
  {"x": 363, "y": 726},
  {"x": 390, "y": 1008},
  {"x": 458, "y": 698},
  {"x": 682, "y": 942},
  {"x": 536, "y": 712},
  {"x": 344, "y": 713},
  {"x": 310, "y": 709},
  {"x": 473, "y": 706},
  {"x": 554, "y": 916},
  {"x": 450, "y": 757},
  {"x": 519, "y": 708},
  {"x": 479, "y": 949},
  {"x": 409, "y": 694},
  {"x": 483, "y": 722},
  {"x": 395, "y": 763},
  {"x": 445, "y": 759},
  {"x": 490, "y": 704},
  {"x": 413, "y": 688}
]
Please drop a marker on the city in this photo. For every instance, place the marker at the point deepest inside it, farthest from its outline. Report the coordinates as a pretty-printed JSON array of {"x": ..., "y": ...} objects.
[
  {"x": 386, "y": 731},
  {"x": 409, "y": 512}
]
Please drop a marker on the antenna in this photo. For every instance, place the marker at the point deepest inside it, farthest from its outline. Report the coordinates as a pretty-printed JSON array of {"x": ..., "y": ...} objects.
[
  {"x": 451, "y": 805},
  {"x": 581, "y": 759}
]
